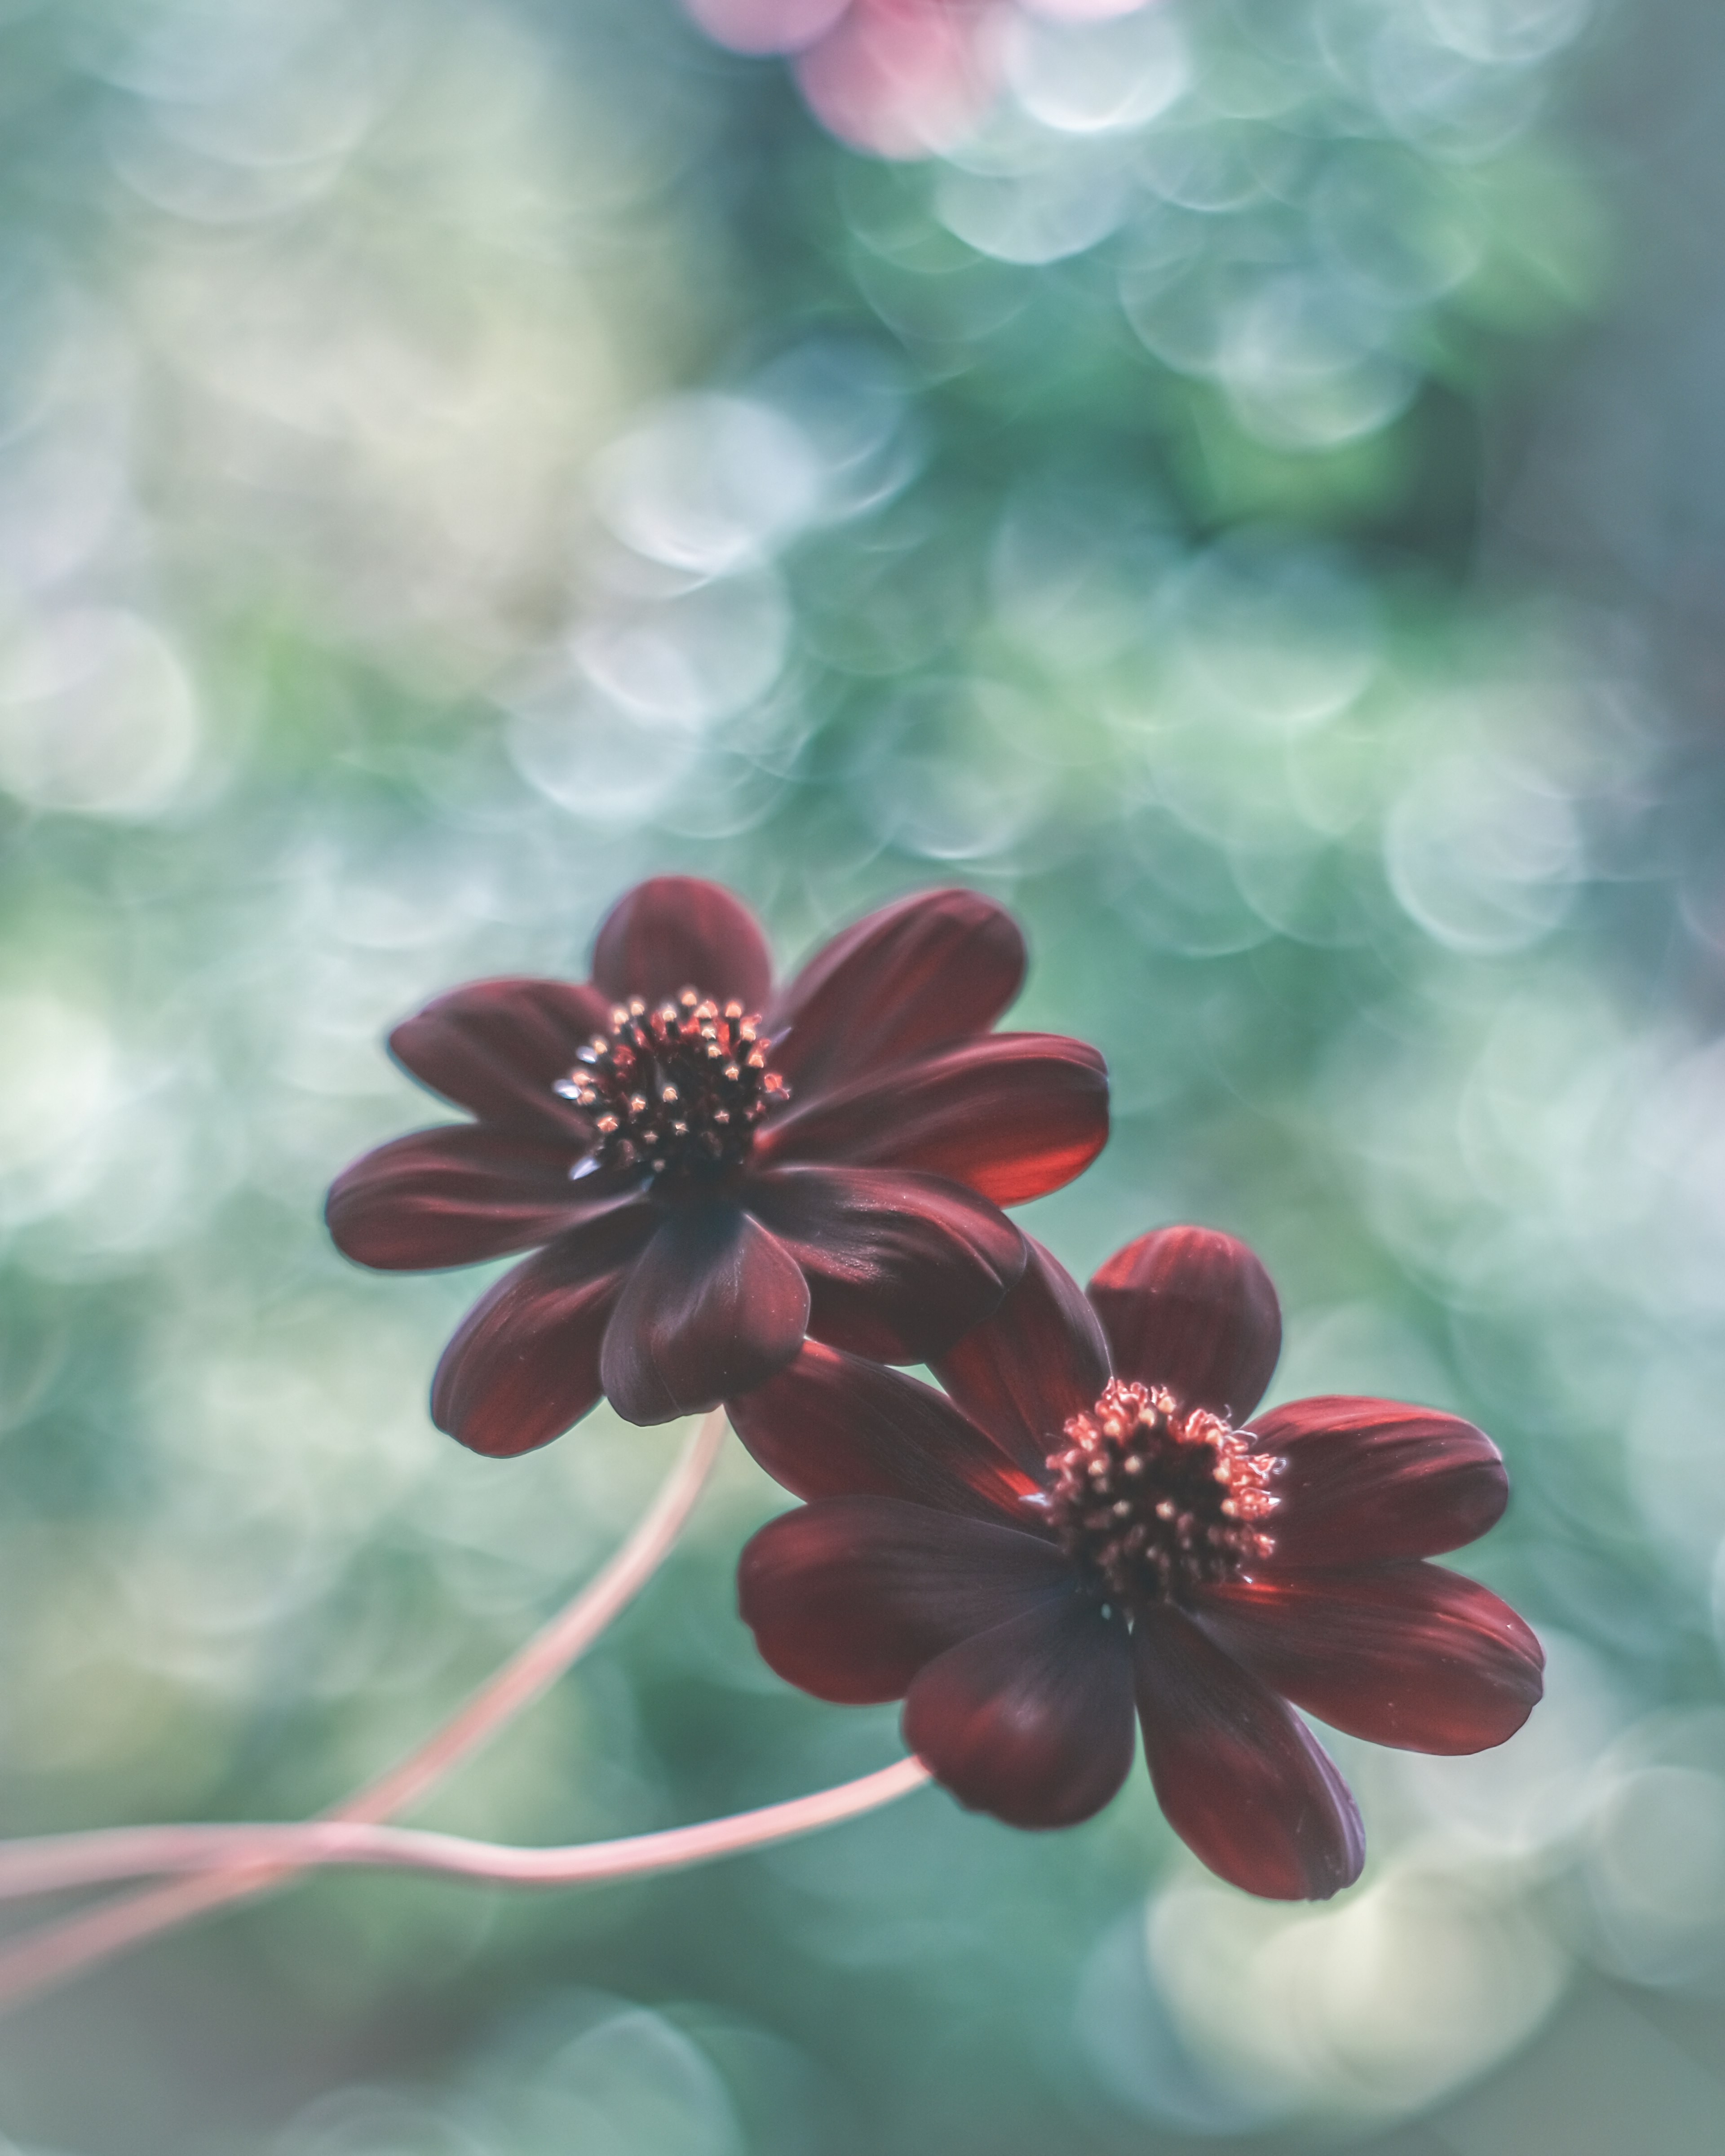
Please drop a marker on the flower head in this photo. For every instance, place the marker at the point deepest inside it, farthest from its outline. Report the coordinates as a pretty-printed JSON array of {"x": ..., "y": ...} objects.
[
  {"x": 715, "y": 1169},
  {"x": 1086, "y": 1519}
]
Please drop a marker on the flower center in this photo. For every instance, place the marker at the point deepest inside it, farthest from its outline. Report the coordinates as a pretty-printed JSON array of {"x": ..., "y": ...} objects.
[
  {"x": 1154, "y": 1501},
  {"x": 674, "y": 1090}
]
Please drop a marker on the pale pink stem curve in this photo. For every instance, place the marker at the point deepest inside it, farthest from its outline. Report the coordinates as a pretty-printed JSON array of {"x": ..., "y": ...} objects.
[
  {"x": 53, "y": 1861},
  {"x": 58, "y": 1951}
]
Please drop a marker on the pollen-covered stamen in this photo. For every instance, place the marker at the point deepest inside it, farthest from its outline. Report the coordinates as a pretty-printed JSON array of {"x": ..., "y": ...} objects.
[
  {"x": 1155, "y": 1500},
  {"x": 676, "y": 1088}
]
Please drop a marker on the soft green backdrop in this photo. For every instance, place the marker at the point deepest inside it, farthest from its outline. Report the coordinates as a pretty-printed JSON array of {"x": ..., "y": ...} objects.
[{"x": 1252, "y": 506}]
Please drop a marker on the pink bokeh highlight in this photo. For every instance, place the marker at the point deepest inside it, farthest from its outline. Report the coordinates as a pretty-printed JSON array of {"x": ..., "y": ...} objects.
[{"x": 896, "y": 77}]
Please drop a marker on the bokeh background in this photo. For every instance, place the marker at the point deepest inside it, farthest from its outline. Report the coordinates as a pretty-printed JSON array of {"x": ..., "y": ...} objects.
[{"x": 1241, "y": 480}]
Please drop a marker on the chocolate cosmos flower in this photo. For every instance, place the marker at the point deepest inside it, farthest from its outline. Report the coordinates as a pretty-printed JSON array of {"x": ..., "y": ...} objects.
[
  {"x": 714, "y": 1170},
  {"x": 1079, "y": 1520}
]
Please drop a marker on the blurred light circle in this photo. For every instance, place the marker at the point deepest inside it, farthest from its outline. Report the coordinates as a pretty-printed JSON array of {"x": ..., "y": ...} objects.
[
  {"x": 1075, "y": 564},
  {"x": 1304, "y": 368},
  {"x": 97, "y": 715},
  {"x": 605, "y": 764},
  {"x": 1482, "y": 854},
  {"x": 850, "y": 397},
  {"x": 1213, "y": 167},
  {"x": 1183, "y": 309},
  {"x": 941, "y": 772},
  {"x": 1657, "y": 1868},
  {"x": 1279, "y": 635},
  {"x": 1501, "y": 33},
  {"x": 698, "y": 656},
  {"x": 1378, "y": 2005},
  {"x": 1040, "y": 216},
  {"x": 765, "y": 26},
  {"x": 904, "y": 78},
  {"x": 1432, "y": 94},
  {"x": 56, "y": 1078},
  {"x": 708, "y": 483},
  {"x": 1396, "y": 228},
  {"x": 1084, "y": 11},
  {"x": 636, "y": 2083},
  {"x": 1090, "y": 70}
]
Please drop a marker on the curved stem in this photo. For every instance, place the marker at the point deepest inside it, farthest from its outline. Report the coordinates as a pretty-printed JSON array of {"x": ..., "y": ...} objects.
[
  {"x": 59, "y": 1951},
  {"x": 86, "y": 1860}
]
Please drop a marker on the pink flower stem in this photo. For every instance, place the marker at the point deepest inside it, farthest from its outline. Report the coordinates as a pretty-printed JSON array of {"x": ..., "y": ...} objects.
[
  {"x": 53, "y": 1861},
  {"x": 57, "y": 1952}
]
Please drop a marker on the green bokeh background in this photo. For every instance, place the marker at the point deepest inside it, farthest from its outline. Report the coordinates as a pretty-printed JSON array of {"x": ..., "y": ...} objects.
[{"x": 1253, "y": 505}]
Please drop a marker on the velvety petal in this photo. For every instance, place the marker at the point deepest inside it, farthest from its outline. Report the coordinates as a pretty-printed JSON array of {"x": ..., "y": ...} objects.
[
  {"x": 452, "y": 1196},
  {"x": 498, "y": 1048},
  {"x": 524, "y": 1364},
  {"x": 1191, "y": 1309},
  {"x": 1013, "y": 1115},
  {"x": 898, "y": 1264},
  {"x": 834, "y": 1425},
  {"x": 1406, "y": 1654},
  {"x": 675, "y": 932},
  {"x": 1363, "y": 1481},
  {"x": 1243, "y": 1783},
  {"x": 850, "y": 1597},
  {"x": 1033, "y": 1720},
  {"x": 930, "y": 970},
  {"x": 713, "y": 1305},
  {"x": 1040, "y": 1358}
]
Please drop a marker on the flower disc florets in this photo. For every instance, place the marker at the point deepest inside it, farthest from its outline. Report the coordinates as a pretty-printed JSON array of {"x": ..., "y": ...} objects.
[
  {"x": 675, "y": 1089},
  {"x": 1155, "y": 1501}
]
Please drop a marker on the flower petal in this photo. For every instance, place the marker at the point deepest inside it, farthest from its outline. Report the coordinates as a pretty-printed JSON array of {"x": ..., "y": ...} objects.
[
  {"x": 1407, "y": 1654},
  {"x": 1040, "y": 1358},
  {"x": 1243, "y": 1783},
  {"x": 714, "y": 1304},
  {"x": 1013, "y": 1115},
  {"x": 498, "y": 1047},
  {"x": 1365, "y": 1481},
  {"x": 1191, "y": 1309},
  {"x": 834, "y": 1425},
  {"x": 898, "y": 1264},
  {"x": 1031, "y": 1720},
  {"x": 524, "y": 1363},
  {"x": 451, "y": 1196},
  {"x": 675, "y": 932},
  {"x": 911, "y": 978},
  {"x": 850, "y": 1596}
]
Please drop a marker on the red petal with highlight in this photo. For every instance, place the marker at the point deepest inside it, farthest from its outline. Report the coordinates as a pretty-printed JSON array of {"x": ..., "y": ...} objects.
[
  {"x": 1243, "y": 1783},
  {"x": 834, "y": 1425},
  {"x": 1365, "y": 1481},
  {"x": 675, "y": 932},
  {"x": 1191, "y": 1309},
  {"x": 1040, "y": 1358},
  {"x": 1409, "y": 1654},
  {"x": 898, "y": 1264},
  {"x": 713, "y": 1305},
  {"x": 1013, "y": 1115},
  {"x": 849, "y": 1598},
  {"x": 1033, "y": 1720},
  {"x": 910, "y": 978},
  {"x": 453, "y": 1196},
  {"x": 524, "y": 1363},
  {"x": 498, "y": 1047}
]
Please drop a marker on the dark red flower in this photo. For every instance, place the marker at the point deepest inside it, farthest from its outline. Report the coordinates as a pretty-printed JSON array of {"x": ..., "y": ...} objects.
[
  {"x": 1081, "y": 1522},
  {"x": 714, "y": 1170}
]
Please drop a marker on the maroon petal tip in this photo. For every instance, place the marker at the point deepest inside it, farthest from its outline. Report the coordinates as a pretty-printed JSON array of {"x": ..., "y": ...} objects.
[
  {"x": 713, "y": 1307},
  {"x": 1031, "y": 1721},
  {"x": 674, "y": 932},
  {"x": 1191, "y": 1309}
]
